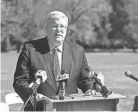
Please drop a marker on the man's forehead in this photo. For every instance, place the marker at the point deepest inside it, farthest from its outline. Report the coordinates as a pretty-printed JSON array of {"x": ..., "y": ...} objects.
[
  {"x": 57, "y": 21},
  {"x": 58, "y": 16}
]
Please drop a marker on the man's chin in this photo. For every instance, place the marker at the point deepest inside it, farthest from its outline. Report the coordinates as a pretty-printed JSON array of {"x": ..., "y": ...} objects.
[{"x": 59, "y": 42}]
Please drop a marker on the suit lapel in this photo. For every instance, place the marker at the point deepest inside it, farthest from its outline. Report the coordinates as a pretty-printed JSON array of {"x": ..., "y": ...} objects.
[
  {"x": 66, "y": 58},
  {"x": 47, "y": 60},
  {"x": 47, "y": 57}
]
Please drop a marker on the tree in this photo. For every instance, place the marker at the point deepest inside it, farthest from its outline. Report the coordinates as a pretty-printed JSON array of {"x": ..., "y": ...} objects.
[
  {"x": 118, "y": 19},
  {"x": 90, "y": 21},
  {"x": 122, "y": 21}
]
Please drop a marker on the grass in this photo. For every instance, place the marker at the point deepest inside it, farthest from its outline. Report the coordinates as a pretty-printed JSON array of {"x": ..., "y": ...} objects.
[{"x": 112, "y": 65}]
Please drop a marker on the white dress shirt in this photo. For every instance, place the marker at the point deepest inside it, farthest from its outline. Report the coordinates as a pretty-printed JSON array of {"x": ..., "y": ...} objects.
[{"x": 59, "y": 52}]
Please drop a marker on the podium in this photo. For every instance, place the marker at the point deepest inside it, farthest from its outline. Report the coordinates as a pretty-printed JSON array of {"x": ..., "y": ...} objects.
[{"x": 79, "y": 102}]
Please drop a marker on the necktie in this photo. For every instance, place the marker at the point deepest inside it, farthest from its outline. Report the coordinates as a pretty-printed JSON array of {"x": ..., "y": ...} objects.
[{"x": 56, "y": 63}]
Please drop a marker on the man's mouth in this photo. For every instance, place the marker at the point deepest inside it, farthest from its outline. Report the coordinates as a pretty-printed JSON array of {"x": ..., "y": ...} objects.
[{"x": 58, "y": 35}]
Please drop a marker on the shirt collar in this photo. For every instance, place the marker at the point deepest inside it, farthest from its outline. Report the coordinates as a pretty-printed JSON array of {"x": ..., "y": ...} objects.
[{"x": 59, "y": 48}]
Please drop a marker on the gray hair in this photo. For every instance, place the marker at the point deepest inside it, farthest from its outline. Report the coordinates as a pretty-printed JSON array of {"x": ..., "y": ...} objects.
[{"x": 57, "y": 14}]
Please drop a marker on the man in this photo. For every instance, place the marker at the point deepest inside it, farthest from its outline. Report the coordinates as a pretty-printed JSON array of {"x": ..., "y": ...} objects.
[{"x": 40, "y": 55}]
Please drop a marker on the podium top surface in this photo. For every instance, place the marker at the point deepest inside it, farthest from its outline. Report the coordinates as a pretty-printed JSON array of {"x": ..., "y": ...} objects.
[{"x": 81, "y": 97}]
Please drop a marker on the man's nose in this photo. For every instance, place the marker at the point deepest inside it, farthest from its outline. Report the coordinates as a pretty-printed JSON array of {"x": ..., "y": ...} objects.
[{"x": 59, "y": 28}]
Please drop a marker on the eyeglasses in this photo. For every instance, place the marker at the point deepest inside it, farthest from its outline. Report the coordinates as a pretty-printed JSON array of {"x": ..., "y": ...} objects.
[{"x": 60, "y": 26}]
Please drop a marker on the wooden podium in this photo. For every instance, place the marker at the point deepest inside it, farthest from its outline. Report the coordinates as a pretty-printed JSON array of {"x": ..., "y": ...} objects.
[{"x": 79, "y": 102}]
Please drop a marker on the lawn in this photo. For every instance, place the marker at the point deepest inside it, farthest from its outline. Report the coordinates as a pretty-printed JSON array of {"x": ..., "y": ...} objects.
[{"x": 112, "y": 65}]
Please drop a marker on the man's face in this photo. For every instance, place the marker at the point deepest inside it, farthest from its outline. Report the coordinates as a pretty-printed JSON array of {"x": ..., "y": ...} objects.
[{"x": 56, "y": 31}]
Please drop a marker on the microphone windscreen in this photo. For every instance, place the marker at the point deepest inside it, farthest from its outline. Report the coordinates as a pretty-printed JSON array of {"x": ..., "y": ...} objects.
[
  {"x": 127, "y": 73},
  {"x": 87, "y": 72}
]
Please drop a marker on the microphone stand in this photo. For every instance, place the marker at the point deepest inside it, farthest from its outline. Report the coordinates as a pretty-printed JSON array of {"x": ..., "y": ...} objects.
[{"x": 33, "y": 94}]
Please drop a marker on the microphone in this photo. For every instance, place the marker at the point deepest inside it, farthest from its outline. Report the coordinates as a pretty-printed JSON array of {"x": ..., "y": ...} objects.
[
  {"x": 128, "y": 74},
  {"x": 41, "y": 76},
  {"x": 91, "y": 74},
  {"x": 62, "y": 79},
  {"x": 102, "y": 89}
]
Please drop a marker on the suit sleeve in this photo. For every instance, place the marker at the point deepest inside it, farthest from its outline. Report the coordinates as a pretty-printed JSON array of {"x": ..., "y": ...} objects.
[
  {"x": 21, "y": 75},
  {"x": 85, "y": 82}
]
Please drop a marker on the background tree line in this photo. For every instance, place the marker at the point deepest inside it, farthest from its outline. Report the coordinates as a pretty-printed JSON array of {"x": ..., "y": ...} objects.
[{"x": 109, "y": 24}]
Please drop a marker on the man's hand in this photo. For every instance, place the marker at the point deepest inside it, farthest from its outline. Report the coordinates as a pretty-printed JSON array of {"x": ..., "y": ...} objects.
[
  {"x": 40, "y": 97},
  {"x": 41, "y": 73}
]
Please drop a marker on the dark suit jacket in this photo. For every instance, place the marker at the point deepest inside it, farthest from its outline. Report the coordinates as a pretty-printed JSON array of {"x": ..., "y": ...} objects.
[{"x": 36, "y": 55}]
